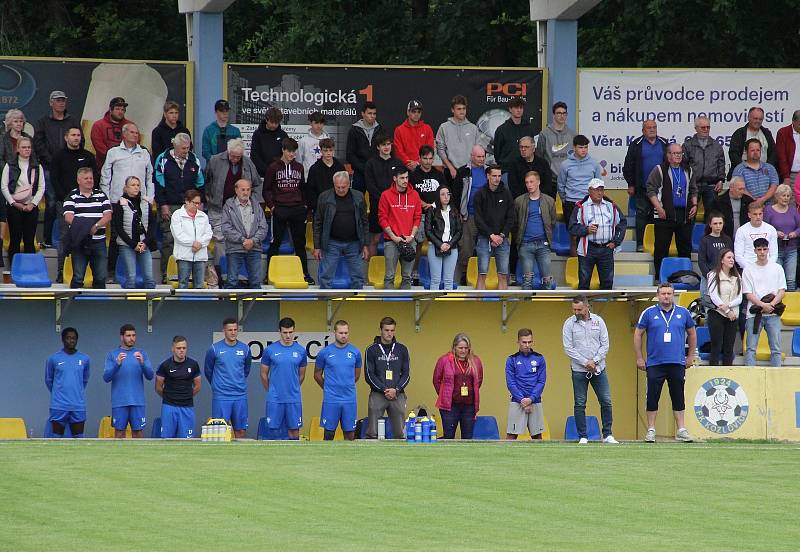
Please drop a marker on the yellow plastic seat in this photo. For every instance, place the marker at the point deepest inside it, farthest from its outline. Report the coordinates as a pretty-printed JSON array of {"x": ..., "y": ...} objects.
[
  {"x": 701, "y": 211},
  {"x": 472, "y": 273},
  {"x": 309, "y": 237},
  {"x": 13, "y": 428},
  {"x": 377, "y": 272},
  {"x": 762, "y": 349},
  {"x": 106, "y": 430},
  {"x": 286, "y": 272},
  {"x": 571, "y": 274},
  {"x": 791, "y": 316},
  {"x": 686, "y": 298},
  {"x": 425, "y": 247},
  {"x": 649, "y": 241},
  {"x": 172, "y": 271},
  {"x": 317, "y": 433},
  {"x": 68, "y": 272},
  {"x": 632, "y": 268},
  {"x": 559, "y": 209}
]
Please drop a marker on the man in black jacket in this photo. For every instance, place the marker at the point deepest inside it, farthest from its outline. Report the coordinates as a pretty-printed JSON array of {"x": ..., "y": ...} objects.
[
  {"x": 267, "y": 139},
  {"x": 387, "y": 373},
  {"x": 644, "y": 154},
  {"x": 494, "y": 218},
  {"x": 170, "y": 125},
  {"x": 320, "y": 174},
  {"x": 733, "y": 203},
  {"x": 753, "y": 129},
  {"x": 379, "y": 173},
  {"x": 361, "y": 146},
  {"x": 524, "y": 163}
]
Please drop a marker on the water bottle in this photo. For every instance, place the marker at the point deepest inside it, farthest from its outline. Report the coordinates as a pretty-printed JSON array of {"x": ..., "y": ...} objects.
[
  {"x": 203, "y": 435},
  {"x": 381, "y": 429},
  {"x": 433, "y": 429},
  {"x": 410, "y": 427},
  {"x": 418, "y": 430},
  {"x": 426, "y": 430},
  {"x": 696, "y": 359}
]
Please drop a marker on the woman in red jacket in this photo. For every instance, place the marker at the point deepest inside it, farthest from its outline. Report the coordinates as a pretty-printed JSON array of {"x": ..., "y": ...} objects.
[{"x": 457, "y": 379}]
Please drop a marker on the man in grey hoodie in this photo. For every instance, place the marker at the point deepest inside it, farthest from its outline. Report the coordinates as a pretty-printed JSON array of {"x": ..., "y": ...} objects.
[
  {"x": 555, "y": 141},
  {"x": 573, "y": 179},
  {"x": 455, "y": 138}
]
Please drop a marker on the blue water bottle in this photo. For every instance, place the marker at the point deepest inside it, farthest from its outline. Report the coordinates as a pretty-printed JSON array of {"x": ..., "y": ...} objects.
[
  {"x": 426, "y": 430},
  {"x": 410, "y": 427}
]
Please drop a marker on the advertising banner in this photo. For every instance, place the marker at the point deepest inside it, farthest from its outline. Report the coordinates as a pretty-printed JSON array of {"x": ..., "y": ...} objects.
[
  {"x": 26, "y": 83},
  {"x": 338, "y": 92},
  {"x": 783, "y": 402},
  {"x": 613, "y": 104},
  {"x": 258, "y": 341}
]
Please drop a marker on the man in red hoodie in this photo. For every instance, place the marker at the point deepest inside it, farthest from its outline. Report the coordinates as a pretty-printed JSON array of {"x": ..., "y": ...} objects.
[
  {"x": 412, "y": 135},
  {"x": 399, "y": 214},
  {"x": 285, "y": 197},
  {"x": 107, "y": 132}
]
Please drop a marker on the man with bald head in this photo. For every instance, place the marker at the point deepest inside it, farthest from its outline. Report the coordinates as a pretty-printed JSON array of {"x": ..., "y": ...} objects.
[
  {"x": 788, "y": 150},
  {"x": 468, "y": 181},
  {"x": 644, "y": 154},
  {"x": 341, "y": 229},
  {"x": 244, "y": 227},
  {"x": 737, "y": 152},
  {"x": 705, "y": 156},
  {"x": 733, "y": 203}
]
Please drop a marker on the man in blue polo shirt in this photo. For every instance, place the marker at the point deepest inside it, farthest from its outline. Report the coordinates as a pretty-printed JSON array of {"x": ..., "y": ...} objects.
[
  {"x": 226, "y": 368},
  {"x": 337, "y": 369},
  {"x": 283, "y": 369},
  {"x": 66, "y": 376},
  {"x": 667, "y": 326},
  {"x": 124, "y": 368},
  {"x": 760, "y": 178}
]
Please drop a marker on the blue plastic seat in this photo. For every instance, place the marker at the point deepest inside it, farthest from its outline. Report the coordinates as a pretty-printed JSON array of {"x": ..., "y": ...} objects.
[
  {"x": 48, "y": 430},
  {"x": 365, "y": 422},
  {"x": 561, "y": 239},
  {"x": 697, "y": 234},
  {"x": 703, "y": 337},
  {"x": 267, "y": 434},
  {"x": 592, "y": 429},
  {"x": 29, "y": 270},
  {"x": 341, "y": 279},
  {"x": 155, "y": 433},
  {"x": 486, "y": 429},
  {"x": 796, "y": 342},
  {"x": 670, "y": 265}
]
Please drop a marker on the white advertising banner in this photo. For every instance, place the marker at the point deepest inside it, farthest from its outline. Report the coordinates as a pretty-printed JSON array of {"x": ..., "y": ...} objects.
[
  {"x": 258, "y": 341},
  {"x": 613, "y": 103}
]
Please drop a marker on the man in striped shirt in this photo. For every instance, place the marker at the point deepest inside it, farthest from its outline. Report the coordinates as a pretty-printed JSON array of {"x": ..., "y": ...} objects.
[{"x": 87, "y": 212}]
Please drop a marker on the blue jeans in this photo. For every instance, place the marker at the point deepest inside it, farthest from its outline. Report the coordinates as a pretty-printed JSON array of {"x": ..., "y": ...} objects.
[
  {"x": 351, "y": 251},
  {"x": 98, "y": 256},
  {"x": 580, "y": 387},
  {"x": 773, "y": 326},
  {"x": 603, "y": 258},
  {"x": 788, "y": 260},
  {"x": 442, "y": 268},
  {"x": 536, "y": 252},
  {"x": 485, "y": 251},
  {"x": 131, "y": 260},
  {"x": 197, "y": 269},
  {"x": 250, "y": 258}
]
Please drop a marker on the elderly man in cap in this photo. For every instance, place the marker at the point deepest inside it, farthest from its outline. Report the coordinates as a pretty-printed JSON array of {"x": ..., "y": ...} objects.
[
  {"x": 107, "y": 132},
  {"x": 599, "y": 225}
]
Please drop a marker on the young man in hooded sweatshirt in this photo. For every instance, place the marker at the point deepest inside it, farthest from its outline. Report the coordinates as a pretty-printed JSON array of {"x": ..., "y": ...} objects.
[
  {"x": 387, "y": 372},
  {"x": 412, "y": 135},
  {"x": 399, "y": 214},
  {"x": 267, "y": 144},
  {"x": 455, "y": 138},
  {"x": 555, "y": 141},
  {"x": 361, "y": 145},
  {"x": 574, "y": 177},
  {"x": 378, "y": 174}
]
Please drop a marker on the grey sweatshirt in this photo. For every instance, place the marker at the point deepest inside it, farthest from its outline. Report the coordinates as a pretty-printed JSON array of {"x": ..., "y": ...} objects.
[
  {"x": 454, "y": 140},
  {"x": 553, "y": 146}
]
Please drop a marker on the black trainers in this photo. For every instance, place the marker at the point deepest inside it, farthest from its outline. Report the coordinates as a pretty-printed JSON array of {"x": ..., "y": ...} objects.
[
  {"x": 309, "y": 280},
  {"x": 60, "y": 278}
]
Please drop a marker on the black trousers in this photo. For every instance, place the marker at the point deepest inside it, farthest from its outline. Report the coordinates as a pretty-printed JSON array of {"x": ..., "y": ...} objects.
[
  {"x": 21, "y": 227},
  {"x": 293, "y": 218},
  {"x": 664, "y": 229},
  {"x": 723, "y": 337},
  {"x": 644, "y": 214}
]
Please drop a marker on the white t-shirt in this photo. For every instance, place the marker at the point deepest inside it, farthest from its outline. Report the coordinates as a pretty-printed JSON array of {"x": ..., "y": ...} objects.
[
  {"x": 761, "y": 280},
  {"x": 746, "y": 235}
]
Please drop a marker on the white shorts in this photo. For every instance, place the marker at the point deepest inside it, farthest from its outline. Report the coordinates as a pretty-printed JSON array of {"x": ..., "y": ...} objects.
[{"x": 518, "y": 419}]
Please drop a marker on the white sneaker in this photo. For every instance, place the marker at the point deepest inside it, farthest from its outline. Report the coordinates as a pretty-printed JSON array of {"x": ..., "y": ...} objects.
[
  {"x": 650, "y": 436},
  {"x": 683, "y": 435},
  {"x": 583, "y": 441},
  {"x": 610, "y": 440}
]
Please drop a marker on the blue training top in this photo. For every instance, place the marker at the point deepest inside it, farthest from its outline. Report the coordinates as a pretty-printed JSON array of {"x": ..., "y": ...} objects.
[
  {"x": 66, "y": 376},
  {"x": 526, "y": 376},
  {"x": 227, "y": 368},
  {"x": 655, "y": 321},
  {"x": 339, "y": 364},
  {"x": 127, "y": 386},
  {"x": 284, "y": 363}
]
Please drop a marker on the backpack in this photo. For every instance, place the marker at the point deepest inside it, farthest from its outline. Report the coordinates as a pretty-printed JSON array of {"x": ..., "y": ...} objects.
[{"x": 688, "y": 277}]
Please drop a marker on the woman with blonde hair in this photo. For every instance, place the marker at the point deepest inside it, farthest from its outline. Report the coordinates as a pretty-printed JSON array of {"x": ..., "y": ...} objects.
[
  {"x": 786, "y": 220},
  {"x": 22, "y": 184},
  {"x": 457, "y": 378}
]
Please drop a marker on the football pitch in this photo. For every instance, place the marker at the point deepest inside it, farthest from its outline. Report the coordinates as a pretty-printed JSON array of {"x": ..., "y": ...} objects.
[{"x": 153, "y": 495}]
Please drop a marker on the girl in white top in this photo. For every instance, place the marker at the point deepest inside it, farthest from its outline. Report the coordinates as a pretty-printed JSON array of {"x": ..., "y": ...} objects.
[{"x": 725, "y": 290}]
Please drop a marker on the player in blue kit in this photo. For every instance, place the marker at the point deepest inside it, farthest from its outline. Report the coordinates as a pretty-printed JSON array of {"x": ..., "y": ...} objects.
[
  {"x": 66, "y": 375},
  {"x": 124, "y": 368},
  {"x": 178, "y": 380},
  {"x": 283, "y": 369},
  {"x": 337, "y": 369},
  {"x": 226, "y": 368}
]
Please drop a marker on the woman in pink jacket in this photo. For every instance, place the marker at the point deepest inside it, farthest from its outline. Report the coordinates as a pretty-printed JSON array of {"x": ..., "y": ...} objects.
[{"x": 457, "y": 379}]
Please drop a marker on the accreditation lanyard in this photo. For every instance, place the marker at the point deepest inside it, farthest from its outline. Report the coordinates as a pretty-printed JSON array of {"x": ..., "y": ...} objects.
[
  {"x": 463, "y": 366},
  {"x": 389, "y": 373},
  {"x": 667, "y": 334}
]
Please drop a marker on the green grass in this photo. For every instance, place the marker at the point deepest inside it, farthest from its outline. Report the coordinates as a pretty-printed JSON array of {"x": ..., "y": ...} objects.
[{"x": 151, "y": 495}]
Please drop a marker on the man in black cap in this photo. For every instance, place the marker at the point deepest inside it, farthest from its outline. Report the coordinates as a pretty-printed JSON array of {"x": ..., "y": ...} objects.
[
  {"x": 217, "y": 134},
  {"x": 107, "y": 132}
]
